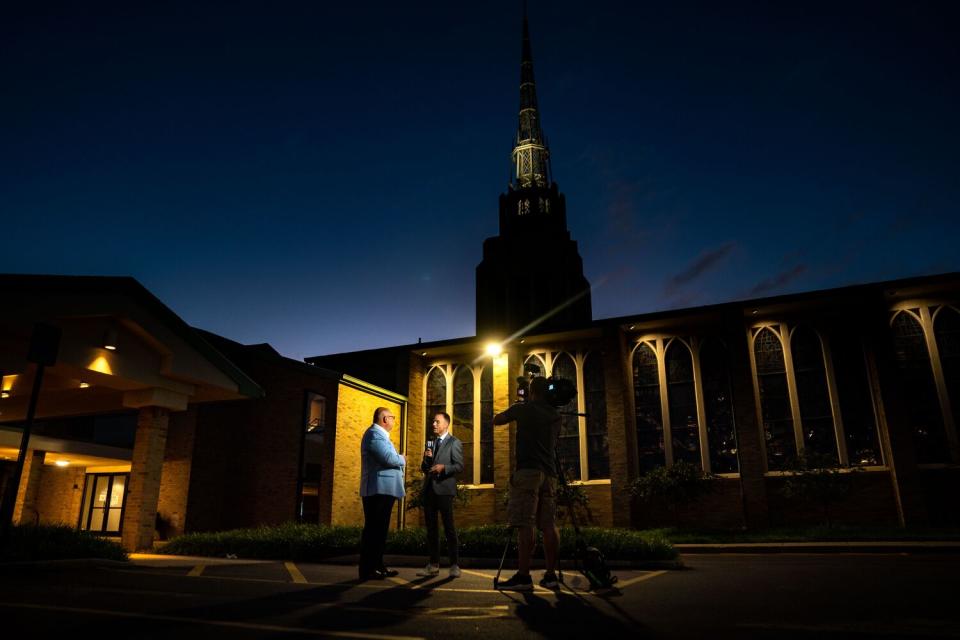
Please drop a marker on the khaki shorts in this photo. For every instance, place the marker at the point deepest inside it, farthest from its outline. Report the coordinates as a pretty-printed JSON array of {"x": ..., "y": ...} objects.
[{"x": 533, "y": 499}]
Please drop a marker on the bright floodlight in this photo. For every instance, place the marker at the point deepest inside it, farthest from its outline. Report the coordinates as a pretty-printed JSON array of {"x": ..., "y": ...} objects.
[{"x": 494, "y": 349}]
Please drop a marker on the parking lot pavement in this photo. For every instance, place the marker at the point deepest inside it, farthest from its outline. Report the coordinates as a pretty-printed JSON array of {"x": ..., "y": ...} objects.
[{"x": 720, "y": 596}]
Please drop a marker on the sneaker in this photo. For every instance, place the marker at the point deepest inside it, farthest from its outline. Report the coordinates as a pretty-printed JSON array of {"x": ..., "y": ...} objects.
[
  {"x": 429, "y": 570},
  {"x": 454, "y": 571},
  {"x": 516, "y": 583},
  {"x": 549, "y": 580}
]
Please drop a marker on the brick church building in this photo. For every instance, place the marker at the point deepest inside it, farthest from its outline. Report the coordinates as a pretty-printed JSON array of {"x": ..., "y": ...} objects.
[{"x": 147, "y": 427}]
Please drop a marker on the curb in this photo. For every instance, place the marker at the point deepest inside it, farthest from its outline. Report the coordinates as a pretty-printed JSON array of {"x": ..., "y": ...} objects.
[
  {"x": 53, "y": 565},
  {"x": 821, "y": 547}
]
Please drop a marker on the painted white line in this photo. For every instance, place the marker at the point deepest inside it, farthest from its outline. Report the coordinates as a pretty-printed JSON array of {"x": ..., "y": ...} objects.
[
  {"x": 213, "y": 623},
  {"x": 627, "y": 583}
]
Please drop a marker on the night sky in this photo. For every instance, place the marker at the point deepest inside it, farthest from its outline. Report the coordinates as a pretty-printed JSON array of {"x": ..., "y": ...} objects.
[{"x": 321, "y": 176}]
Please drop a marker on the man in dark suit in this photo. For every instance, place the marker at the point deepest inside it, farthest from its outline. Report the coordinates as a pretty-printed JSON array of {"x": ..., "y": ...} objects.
[
  {"x": 442, "y": 461},
  {"x": 381, "y": 483}
]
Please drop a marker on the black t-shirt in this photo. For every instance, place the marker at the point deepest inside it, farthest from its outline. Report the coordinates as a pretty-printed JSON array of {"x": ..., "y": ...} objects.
[{"x": 538, "y": 429}]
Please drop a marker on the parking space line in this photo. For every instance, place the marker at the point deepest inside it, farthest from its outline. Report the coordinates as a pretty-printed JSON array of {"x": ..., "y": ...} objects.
[
  {"x": 197, "y": 571},
  {"x": 212, "y": 623},
  {"x": 295, "y": 573},
  {"x": 479, "y": 574},
  {"x": 632, "y": 581}
]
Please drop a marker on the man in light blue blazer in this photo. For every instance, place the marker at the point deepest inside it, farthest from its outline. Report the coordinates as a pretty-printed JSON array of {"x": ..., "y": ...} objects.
[{"x": 381, "y": 483}]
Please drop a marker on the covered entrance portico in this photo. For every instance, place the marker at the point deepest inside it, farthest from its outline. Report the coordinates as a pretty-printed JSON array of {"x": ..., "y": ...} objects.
[{"x": 122, "y": 353}]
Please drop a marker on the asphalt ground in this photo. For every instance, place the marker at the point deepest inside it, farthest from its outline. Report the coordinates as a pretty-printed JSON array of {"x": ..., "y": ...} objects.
[{"x": 716, "y": 596}]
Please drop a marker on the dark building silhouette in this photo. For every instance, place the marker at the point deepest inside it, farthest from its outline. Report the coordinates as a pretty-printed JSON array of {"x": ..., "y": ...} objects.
[{"x": 517, "y": 284}]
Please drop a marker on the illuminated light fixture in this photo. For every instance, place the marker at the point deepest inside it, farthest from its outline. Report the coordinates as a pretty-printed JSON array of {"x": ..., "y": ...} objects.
[
  {"x": 62, "y": 463},
  {"x": 755, "y": 311},
  {"x": 84, "y": 385},
  {"x": 494, "y": 349},
  {"x": 631, "y": 327},
  {"x": 4, "y": 394},
  {"x": 110, "y": 339},
  {"x": 424, "y": 354}
]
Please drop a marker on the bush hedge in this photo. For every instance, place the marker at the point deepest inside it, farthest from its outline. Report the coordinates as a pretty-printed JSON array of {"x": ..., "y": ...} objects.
[
  {"x": 306, "y": 543},
  {"x": 57, "y": 542}
]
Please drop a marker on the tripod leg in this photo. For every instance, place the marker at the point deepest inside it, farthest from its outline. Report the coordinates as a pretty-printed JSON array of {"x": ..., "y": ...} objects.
[{"x": 506, "y": 547}]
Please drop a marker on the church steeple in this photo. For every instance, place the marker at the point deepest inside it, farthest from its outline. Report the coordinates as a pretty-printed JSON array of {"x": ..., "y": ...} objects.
[
  {"x": 531, "y": 277},
  {"x": 531, "y": 157}
]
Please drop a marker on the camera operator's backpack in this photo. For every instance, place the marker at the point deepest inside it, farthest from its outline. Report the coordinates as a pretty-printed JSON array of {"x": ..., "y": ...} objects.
[{"x": 593, "y": 565}]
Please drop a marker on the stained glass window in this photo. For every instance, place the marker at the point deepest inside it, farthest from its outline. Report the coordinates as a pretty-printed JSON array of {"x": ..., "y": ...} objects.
[
  {"x": 436, "y": 398},
  {"x": 569, "y": 446},
  {"x": 649, "y": 417},
  {"x": 463, "y": 417},
  {"x": 774, "y": 400},
  {"x": 816, "y": 415},
  {"x": 595, "y": 399},
  {"x": 681, "y": 398},
  {"x": 856, "y": 403},
  {"x": 486, "y": 425},
  {"x": 946, "y": 328},
  {"x": 918, "y": 390},
  {"x": 717, "y": 401}
]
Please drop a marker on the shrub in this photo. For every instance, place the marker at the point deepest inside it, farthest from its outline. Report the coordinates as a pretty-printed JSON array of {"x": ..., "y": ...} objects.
[
  {"x": 414, "y": 500},
  {"x": 817, "y": 479},
  {"x": 304, "y": 542},
  {"x": 57, "y": 542},
  {"x": 678, "y": 484}
]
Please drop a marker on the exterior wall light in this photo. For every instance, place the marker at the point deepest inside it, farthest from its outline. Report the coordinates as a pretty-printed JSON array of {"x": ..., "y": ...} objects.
[
  {"x": 62, "y": 463},
  {"x": 84, "y": 385},
  {"x": 4, "y": 394},
  {"x": 494, "y": 349},
  {"x": 110, "y": 339}
]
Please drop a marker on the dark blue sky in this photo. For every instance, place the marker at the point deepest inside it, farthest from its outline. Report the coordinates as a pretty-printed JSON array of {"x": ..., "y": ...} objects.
[{"x": 321, "y": 177}]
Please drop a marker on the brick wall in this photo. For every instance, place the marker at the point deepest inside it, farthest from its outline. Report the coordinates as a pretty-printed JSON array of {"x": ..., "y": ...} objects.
[
  {"x": 60, "y": 495},
  {"x": 175, "y": 480},
  {"x": 354, "y": 414},
  {"x": 246, "y": 453},
  {"x": 870, "y": 502},
  {"x": 720, "y": 509}
]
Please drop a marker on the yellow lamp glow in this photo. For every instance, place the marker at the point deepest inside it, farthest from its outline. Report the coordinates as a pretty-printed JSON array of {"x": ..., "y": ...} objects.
[
  {"x": 62, "y": 463},
  {"x": 494, "y": 349},
  {"x": 84, "y": 385}
]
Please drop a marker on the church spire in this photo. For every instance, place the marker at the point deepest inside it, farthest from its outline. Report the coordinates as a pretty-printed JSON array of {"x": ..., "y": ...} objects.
[{"x": 531, "y": 158}]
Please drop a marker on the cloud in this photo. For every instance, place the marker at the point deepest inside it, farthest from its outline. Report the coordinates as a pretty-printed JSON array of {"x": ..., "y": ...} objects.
[
  {"x": 778, "y": 280},
  {"x": 705, "y": 262}
]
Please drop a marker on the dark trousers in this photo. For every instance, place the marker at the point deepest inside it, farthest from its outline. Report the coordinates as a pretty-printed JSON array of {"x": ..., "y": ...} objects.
[
  {"x": 376, "y": 522},
  {"x": 432, "y": 505}
]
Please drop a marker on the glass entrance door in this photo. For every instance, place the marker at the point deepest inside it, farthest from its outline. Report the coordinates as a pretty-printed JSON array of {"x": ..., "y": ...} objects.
[{"x": 104, "y": 497}]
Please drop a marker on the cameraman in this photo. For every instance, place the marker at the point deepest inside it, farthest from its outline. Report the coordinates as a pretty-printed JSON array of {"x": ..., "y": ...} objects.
[{"x": 533, "y": 487}]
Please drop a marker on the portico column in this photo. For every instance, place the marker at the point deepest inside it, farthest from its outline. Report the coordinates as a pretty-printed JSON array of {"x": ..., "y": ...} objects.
[
  {"x": 25, "y": 508},
  {"x": 139, "y": 518},
  {"x": 149, "y": 448}
]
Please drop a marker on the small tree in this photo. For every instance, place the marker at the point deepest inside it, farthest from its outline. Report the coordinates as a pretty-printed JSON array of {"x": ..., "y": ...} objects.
[
  {"x": 816, "y": 478},
  {"x": 414, "y": 499},
  {"x": 674, "y": 486}
]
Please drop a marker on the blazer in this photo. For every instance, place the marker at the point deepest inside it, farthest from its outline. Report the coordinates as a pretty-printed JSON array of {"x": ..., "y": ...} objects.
[
  {"x": 450, "y": 455},
  {"x": 381, "y": 467}
]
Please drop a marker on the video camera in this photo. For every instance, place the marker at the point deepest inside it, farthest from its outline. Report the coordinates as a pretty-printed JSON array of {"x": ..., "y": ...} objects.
[{"x": 560, "y": 391}]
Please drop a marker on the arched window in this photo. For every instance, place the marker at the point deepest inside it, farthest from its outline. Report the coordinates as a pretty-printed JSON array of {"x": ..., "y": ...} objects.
[
  {"x": 436, "y": 401},
  {"x": 681, "y": 397},
  {"x": 569, "y": 447},
  {"x": 649, "y": 417},
  {"x": 486, "y": 425},
  {"x": 774, "y": 400},
  {"x": 918, "y": 390},
  {"x": 721, "y": 432},
  {"x": 463, "y": 416},
  {"x": 946, "y": 327},
  {"x": 856, "y": 403},
  {"x": 535, "y": 364},
  {"x": 816, "y": 415},
  {"x": 595, "y": 399}
]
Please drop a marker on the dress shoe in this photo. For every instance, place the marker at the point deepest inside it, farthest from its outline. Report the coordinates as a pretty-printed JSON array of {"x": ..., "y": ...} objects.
[{"x": 383, "y": 572}]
